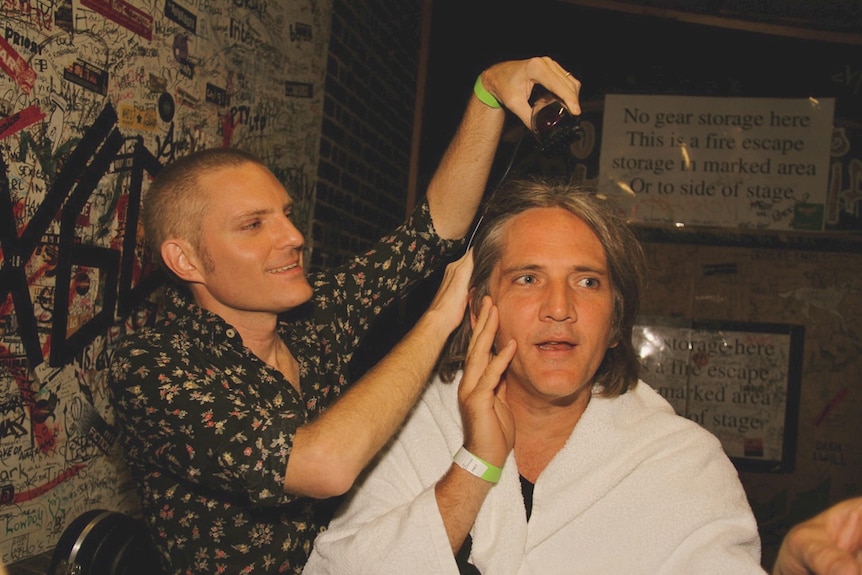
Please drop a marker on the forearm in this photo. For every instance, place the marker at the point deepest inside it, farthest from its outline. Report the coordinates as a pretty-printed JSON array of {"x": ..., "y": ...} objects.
[
  {"x": 329, "y": 453},
  {"x": 488, "y": 427},
  {"x": 456, "y": 189},
  {"x": 460, "y": 495}
]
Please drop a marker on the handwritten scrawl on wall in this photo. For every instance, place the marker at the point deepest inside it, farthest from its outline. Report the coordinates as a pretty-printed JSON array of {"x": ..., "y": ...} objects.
[{"x": 96, "y": 96}]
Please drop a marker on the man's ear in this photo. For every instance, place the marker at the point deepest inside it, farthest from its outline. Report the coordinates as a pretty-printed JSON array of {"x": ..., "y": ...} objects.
[
  {"x": 181, "y": 259},
  {"x": 474, "y": 313}
]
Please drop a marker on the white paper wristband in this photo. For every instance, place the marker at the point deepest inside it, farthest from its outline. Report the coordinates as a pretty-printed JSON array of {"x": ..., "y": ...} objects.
[{"x": 477, "y": 466}]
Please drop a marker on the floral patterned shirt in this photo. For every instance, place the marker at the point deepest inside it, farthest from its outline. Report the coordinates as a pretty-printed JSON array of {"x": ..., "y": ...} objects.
[{"x": 208, "y": 427}]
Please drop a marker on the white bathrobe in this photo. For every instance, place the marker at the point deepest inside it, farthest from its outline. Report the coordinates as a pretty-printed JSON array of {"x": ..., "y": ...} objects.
[{"x": 636, "y": 489}]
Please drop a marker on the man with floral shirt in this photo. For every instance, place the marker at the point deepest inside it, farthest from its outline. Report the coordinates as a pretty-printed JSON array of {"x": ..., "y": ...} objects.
[{"x": 227, "y": 405}]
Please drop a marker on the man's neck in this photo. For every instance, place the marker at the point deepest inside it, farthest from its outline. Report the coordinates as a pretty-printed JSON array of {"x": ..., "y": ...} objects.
[
  {"x": 541, "y": 431},
  {"x": 271, "y": 349},
  {"x": 259, "y": 333},
  {"x": 262, "y": 343}
]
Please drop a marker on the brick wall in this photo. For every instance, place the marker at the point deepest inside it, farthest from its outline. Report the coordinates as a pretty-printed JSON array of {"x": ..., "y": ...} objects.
[{"x": 367, "y": 125}]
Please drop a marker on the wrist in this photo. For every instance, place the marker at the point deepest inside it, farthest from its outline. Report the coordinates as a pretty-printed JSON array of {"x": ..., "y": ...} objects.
[
  {"x": 440, "y": 319},
  {"x": 484, "y": 95},
  {"x": 477, "y": 466}
]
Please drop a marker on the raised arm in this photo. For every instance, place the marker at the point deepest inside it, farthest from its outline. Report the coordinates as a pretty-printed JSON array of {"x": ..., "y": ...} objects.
[
  {"x": 456, "y": 189},
  {"x": 329, "y": 453},
  {"x": 394, "y": 521},
  {"x": 489, "y": 429}
]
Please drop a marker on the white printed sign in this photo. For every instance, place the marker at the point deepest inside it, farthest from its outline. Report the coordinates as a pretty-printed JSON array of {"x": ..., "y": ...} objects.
[{"x": 749, "y": 163}]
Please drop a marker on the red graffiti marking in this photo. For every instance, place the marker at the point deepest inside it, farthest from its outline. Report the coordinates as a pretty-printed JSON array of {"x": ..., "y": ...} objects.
[
  {"x": 38, "y": 491},
  {"x": 839, "y": 397},
  {"x": 20, "y": 120},
  {"x": 123, "y": 14}
]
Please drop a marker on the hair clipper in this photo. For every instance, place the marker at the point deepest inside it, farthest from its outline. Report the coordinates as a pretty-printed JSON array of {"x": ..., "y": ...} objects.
[{"x": 554, "y": 127}]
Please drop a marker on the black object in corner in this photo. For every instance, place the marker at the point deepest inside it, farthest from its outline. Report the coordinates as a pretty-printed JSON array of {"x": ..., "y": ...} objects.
[{"x": 101, "y": 542}]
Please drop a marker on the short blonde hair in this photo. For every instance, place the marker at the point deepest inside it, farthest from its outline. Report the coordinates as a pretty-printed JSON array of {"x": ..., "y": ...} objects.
[{"x": 175, "y": 204}]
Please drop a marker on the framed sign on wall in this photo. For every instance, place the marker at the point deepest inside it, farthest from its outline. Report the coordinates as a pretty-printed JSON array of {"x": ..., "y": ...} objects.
[{"x": 739, "y": 380}]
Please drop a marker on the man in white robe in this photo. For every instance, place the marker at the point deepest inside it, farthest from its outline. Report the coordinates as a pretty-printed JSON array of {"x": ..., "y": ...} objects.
[{"x": 564, "y": 462}]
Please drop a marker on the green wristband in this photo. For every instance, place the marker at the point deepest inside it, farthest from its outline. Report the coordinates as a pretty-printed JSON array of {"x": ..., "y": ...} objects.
[
  {"x": 484, "y": 95},
  {"x": 478, "y": 467}
]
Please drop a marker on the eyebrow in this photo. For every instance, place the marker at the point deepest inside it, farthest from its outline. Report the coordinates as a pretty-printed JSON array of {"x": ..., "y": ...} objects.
[
  {"x": 260, "y": 212},
  {"x": 600, "y": 271}
]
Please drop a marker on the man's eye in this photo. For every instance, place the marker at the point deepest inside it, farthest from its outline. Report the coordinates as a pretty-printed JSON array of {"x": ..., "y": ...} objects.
[
  {"x": 252, "y": 225},
  {"x": 592, "y": 283},
  {"x": 526, "y": 280}
]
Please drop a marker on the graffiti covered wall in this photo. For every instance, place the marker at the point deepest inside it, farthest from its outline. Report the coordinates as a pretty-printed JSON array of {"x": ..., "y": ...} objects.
[{"x": 95, "y": 96}]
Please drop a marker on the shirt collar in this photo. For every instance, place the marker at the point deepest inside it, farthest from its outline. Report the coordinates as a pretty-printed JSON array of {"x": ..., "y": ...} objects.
[{"x": 210, "y": 330}]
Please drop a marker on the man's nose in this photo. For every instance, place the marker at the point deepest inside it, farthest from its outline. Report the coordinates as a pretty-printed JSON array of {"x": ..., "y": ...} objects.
[
  {"x": 559, "y": 303},
  {"x": 289, "y": 235}
]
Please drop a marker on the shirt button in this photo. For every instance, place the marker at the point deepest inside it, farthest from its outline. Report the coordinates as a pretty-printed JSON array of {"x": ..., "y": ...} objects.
[{"x": 230, "y": 332}]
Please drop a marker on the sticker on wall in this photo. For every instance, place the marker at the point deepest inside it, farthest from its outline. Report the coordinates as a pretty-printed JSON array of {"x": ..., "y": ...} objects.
[{"x": 16, "y": 67}]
